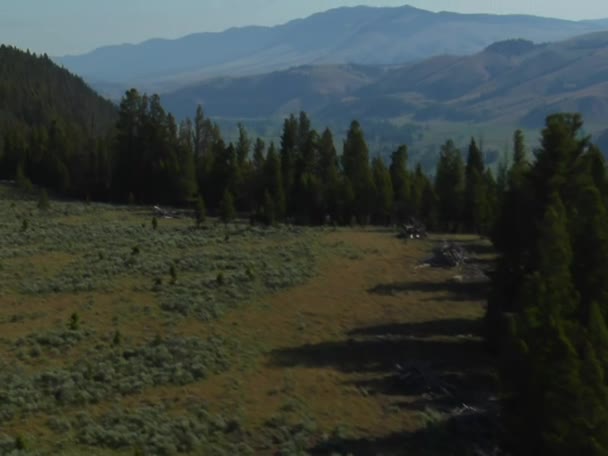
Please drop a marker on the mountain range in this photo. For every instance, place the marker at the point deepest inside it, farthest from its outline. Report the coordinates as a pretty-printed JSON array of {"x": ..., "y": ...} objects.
[
  {"x": 509, "y": 82},
  {"x": 357, "y": 35}
]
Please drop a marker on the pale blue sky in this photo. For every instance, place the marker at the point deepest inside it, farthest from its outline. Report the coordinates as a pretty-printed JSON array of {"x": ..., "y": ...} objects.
[{"x": 73, "y": 26}]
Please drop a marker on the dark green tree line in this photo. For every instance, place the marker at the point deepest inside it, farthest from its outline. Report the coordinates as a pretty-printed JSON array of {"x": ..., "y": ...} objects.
[{"x": 548, "y": 309}]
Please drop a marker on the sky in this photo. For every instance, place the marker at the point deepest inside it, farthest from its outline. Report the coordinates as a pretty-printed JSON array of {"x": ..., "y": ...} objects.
[{"x": 60, "y": 27}]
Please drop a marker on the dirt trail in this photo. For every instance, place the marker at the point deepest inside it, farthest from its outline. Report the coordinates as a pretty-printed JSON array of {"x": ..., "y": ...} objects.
[{"x": 331, "y": 343}]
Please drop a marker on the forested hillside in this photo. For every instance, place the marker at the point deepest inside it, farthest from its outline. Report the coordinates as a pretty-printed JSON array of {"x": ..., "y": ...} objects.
[
  {"x": 52, "y": 125},
  {"x": 147, "y": 157}
]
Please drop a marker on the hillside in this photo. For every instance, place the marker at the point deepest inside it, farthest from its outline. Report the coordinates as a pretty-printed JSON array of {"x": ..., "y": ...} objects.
[
  {"x": 511, "y": 82},
  {"x": 361, "y": 35},
  {"x": 34, "y": 92},
  {"x": 308, "y": 88},
  {"x": 52, "y": 125}
]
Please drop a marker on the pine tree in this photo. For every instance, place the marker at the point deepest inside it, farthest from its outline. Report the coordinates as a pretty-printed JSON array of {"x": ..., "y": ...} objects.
[
  {"x": 183, "y": 174},
  {"x": 502, "y": 173},
  {"x": 356, "y": 166},
  {"x": 269, "y": 209},
  {"x": 449, "y": 185},
  {"x": 589, "y": 231},
  {"x": 552, "y": 272},
  {"x": 383, "y": 206},
  {"x": 519, "y": 148},
  {"x": 243, "y": 145},
  {"x": 273, "y": 179},
  {"x": 490, "y": 203},
  {"x": 402, "y": 188},
  {"x": 475, "y": 203},
  {"x": 544, "y": 382},
  {"x": 329, "y": 174},
  {"x": 288, "y": 153},
  {"x": 259, "y": 157}
]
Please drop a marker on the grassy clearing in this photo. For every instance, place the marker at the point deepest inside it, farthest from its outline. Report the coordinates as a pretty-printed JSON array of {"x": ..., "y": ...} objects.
[{"x": 116, "y": 338}]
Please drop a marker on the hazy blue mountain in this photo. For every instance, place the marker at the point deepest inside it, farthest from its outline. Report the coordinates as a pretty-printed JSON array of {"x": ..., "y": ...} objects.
[
  {"x": 601, "y": 22},
  {"x": 361, "y": 35},
  {"x": 308, "y": 88},
  {"x": 509, "y": 82}
]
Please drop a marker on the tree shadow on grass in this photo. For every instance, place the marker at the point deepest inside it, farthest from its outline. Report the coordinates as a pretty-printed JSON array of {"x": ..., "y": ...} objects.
[
  {"x": 378, "y": 355},
  {"x": 444, "y": 327},
  {"x": 457, "y": 290},
  {"x": 450, "y": 350},
  {"x": 470, "y": 434}
]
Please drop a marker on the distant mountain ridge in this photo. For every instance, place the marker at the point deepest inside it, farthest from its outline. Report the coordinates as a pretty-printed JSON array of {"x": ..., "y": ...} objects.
[
  {"x": 512, "y": 82},
  {"x": 359, "y": 35}
]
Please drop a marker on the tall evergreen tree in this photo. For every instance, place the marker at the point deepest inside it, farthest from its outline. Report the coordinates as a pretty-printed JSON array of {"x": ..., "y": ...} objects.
[
  {"x": 243, "y": 145},
  {"x": 383, "y": 206},
  {"x": 273, "y": 179},
  {"x": 289, "y": 151},
  {"x": 356, "y": 166},
  {"x": 519, "y": 148},
  {"x": 257, "y": 186},
  {"x": 402, "y": 187},
  {"x": 543, "y": 407},
  {"x": 329, "y": 173},
  {"x": 475, "y": 203},
  {"x": 449, "y": 185}
]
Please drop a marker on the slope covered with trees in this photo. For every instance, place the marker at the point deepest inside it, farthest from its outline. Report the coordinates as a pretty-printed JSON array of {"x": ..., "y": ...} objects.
[
  {"x": 52, "y": 125},
  {"x": 59, "y": 134}
]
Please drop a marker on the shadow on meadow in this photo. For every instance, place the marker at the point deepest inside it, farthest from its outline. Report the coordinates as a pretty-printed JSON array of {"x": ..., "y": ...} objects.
[
  {"x": 456, "y": 290},
  {"x": 452, "y": 389},
  {"x": 469, "y": 434}
]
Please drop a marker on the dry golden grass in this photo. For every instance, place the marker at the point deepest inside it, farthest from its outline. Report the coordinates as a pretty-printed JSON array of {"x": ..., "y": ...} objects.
[
  {"x": 309, "y": 344},
  {"x": 325, "y": 349}
]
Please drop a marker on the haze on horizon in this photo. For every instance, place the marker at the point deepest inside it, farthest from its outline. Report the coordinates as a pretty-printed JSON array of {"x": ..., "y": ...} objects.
[{"x": 74, "y": 26}]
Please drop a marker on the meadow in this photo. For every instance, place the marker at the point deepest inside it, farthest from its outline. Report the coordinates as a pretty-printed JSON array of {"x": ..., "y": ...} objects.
[{"x": 119, "y": 335}]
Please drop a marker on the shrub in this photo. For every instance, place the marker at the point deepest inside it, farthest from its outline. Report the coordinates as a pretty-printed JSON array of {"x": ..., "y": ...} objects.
[
  {"x": 74, "y": 323},
  {"x": 20, "y": 443},
  {"x": 173, "y": 274},
  {"x": 43, "y": 201},
  {"x": 22, "y": 181},
  {"x": 227, "y": 211},
  {"x": 153, "y": 430},
  {"x": 199, "y": 211}
]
